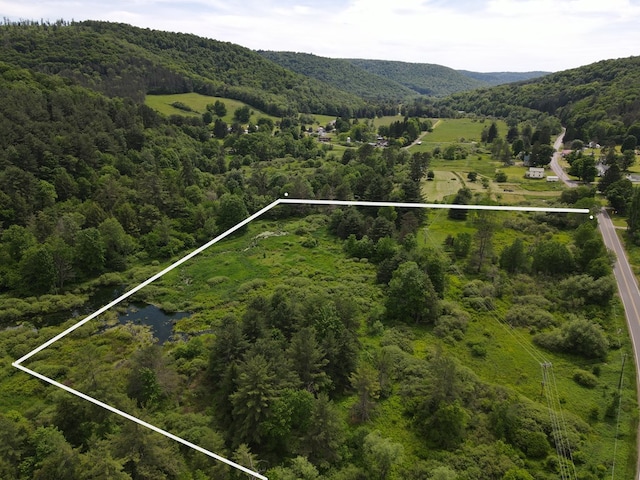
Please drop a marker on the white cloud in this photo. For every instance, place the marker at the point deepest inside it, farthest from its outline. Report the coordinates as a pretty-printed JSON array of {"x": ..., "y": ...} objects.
[{"x": 481, "y": 35}]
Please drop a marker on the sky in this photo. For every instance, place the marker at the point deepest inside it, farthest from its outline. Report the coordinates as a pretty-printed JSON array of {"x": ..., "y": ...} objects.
[{"x": 477, "y": 35}]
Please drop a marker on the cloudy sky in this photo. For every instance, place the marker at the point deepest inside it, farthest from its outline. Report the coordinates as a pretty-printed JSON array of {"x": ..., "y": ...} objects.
[{"x": 478, "y": 35}]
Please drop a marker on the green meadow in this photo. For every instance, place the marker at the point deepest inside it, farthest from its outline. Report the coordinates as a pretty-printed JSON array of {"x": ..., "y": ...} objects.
[{"x": 198, "y": 104}]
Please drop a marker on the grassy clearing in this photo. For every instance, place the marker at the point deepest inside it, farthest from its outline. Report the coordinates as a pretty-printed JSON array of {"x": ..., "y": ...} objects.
[
  {"x": 198, "y": 103},
  {"x": 463, "y": 130},
  {"x": 269, "y": 254},
  {"x": 386, "y": 120}
]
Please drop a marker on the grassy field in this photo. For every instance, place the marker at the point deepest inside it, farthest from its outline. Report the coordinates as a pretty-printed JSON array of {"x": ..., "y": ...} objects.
[
  {"x": 462, "y": 130},
  {"x": 198, "y": 103}
]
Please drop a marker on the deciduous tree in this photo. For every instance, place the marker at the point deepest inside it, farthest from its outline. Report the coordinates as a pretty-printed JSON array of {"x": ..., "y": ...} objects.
[{"x": 411, "y": 295}]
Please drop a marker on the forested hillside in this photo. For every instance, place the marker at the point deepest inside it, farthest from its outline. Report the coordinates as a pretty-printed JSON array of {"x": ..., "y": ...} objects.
[
  {"x": 121, "y": 60},
  {"x": 343, "y": 74},
  {"x": 597, "y": 102},
  {"x": 423, "y": 78},
  {"x": 500, "y": 78}
]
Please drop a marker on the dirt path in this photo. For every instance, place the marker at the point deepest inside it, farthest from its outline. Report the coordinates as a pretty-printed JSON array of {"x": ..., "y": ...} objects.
[{"x": 418, "y": 140}]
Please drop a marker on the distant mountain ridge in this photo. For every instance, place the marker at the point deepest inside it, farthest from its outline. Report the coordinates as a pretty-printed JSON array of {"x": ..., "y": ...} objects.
[
  {"x": 500, "y": 78},
  {"x": 438, "y": 80},
  {"x": 388, "y": 79},
  {"x": 341, "y": 74}
]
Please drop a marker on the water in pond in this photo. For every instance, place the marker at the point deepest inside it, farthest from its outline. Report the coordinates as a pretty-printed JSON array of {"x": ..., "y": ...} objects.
[{"x": 160, "y": 322}]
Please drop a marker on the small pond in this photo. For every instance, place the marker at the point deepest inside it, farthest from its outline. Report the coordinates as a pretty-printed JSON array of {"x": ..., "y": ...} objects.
[{"x": 160, "y": 322}]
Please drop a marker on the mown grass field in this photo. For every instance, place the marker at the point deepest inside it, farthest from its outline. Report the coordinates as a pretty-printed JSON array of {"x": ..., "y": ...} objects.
[
  {"x": 462, "y": 130},
  {"x": 198, "y": 104}
]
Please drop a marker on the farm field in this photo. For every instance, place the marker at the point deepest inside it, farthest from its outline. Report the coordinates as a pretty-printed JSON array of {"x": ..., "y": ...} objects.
[
  {"x": 451, "y": 175},
  {"x": 198, "y": 103},
  {"x": 458, "y": 130}
]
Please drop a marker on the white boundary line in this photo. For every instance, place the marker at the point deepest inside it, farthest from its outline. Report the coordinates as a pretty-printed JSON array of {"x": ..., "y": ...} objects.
[{"x": 18, "y": 363}]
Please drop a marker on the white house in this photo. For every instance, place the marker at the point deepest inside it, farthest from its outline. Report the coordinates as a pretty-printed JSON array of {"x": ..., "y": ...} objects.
[
  {"x": 552, "y": 178},
  {"x": 535, "y": 172}
]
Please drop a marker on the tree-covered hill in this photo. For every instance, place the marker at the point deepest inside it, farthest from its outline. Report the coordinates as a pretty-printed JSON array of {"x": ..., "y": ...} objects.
[
  {"x": 121, "y": 60},
  {"x": 424, "y": 78},
  {"x": 597, "y": 102},
  {"x": 342, "y": 74},
  {"x": 500, "y": 78}
]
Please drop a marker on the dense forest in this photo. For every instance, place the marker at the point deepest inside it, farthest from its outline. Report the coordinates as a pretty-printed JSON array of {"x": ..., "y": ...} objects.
[
  {"x": 344, "y": 75},
  {"x": 125, "y": 61},
  {"x": 320, "y": 343},
  {"x": 424, "y": 78}
]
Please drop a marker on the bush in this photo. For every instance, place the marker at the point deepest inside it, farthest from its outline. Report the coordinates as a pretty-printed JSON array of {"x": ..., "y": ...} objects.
[
  {"x": 578, "y": 336},
  {"x": 500, "y": 177},
  {"x": 449, "y": 325},
  {"x": 182, "y": 106},
  {"x": 309, "y": 242},
  {"x": 526, "y": 316},
  {"x": 585, "y": 379},
  {"x": 479, "y": 304},
  {"x": 478, "y": 350},
  {"x": 478, "y": 288},
  {"x": 213, "y": 281},
  {"x": 402, "y": 338}
]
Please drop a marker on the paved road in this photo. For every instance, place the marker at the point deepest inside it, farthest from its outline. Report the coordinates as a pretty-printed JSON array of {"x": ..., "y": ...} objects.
[
  {"x": 555, "y": 165},
  {"x": 627, "y": 284}
]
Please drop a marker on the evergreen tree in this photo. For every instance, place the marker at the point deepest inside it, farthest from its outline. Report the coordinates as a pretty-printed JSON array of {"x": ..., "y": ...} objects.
[
  {"x": 633, "y": 220},
  {"x": 255, "y": 392},
  {"x": 308, "y": 360}
]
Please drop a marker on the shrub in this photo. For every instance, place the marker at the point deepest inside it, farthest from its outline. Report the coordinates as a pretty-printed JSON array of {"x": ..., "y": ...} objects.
[
  {"x": 401, "y": 338},
  {"x": 182, "y": 106},
  {"x": 478, "y": 288},
  {"x": 478, "y": 350},
  {"x": 217, "y": 280},
  {"x": 578, "y": 336},
  {"x": 309, "y": 242},
  {"x": 525, "y": 316},
  {"x": 479, "y": 304},
  {"x": 585, "y": 379},
  {"x": 450, "y": 325}
]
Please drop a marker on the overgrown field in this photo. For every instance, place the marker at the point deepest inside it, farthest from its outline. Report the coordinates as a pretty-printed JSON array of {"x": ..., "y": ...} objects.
[{"x": 496, "y": 366}]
